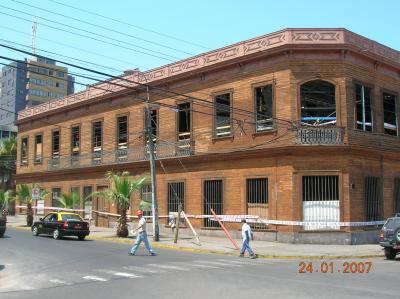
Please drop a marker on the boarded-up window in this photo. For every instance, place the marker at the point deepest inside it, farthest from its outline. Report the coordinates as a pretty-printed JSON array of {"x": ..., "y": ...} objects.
[
  {"x": 257, "y": 199},
  {"x": 321, "y": 202},
  {"x": 373, "y": 199},
  {"x": 176, "y": 195},
  {"x": 213, "y": 199}
]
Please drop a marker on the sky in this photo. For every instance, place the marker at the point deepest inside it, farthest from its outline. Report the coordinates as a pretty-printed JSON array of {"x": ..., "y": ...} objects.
[{"x": 149, "y": 34}]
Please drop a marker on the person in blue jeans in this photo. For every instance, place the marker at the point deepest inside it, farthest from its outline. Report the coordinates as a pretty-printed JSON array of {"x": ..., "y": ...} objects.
[
  {"x": 246, "y": 235},
  {"x": 142, "y": 235}
]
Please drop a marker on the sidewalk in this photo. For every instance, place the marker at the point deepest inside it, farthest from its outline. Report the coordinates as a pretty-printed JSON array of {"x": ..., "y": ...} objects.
[{"x": 223, "y": 246}]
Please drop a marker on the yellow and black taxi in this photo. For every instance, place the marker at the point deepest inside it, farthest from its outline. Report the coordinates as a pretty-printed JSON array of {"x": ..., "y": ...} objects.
[{"x": 59, "y": 224}]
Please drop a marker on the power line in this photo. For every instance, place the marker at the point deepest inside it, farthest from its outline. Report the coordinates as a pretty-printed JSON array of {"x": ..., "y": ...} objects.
[
  {"x": 93, "y": 38},
  {"x": 131, "y": 25},
  {"x": 103, "y": 27}
]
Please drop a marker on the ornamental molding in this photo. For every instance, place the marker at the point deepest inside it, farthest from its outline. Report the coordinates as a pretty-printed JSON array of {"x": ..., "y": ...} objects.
[{"x": 287, "y": 37}]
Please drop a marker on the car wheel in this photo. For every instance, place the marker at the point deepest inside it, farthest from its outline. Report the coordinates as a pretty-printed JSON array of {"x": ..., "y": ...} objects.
[
  {"x": 56, "y": 234},
  {"x": 390, "y": 253},
  {"x": 397, "y": 235},
  {"x": 81, "y": 238},
  {"x": 35, "y": 231}
]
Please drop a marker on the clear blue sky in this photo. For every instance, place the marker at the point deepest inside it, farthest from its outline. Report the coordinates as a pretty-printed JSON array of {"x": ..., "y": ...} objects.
[{"x": 211, "y": 24}]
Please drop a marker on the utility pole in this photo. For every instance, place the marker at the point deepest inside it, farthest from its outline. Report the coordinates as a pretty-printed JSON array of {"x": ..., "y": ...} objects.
[{"x": 154, "y": 206}]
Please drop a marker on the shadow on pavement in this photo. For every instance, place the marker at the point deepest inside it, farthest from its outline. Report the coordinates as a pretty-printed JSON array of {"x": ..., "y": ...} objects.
[{"x": 2, "y": 267}]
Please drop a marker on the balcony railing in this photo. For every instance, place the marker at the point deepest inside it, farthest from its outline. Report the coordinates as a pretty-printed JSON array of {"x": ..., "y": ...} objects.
[
  {"x": 182, "y": 148},
  {"x": 319, "y": 135}
]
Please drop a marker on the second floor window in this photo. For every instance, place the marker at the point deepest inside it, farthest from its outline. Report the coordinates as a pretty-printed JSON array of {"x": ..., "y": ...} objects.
[
  {"x": 389, "y": 114},
  {"x": 24, "y": 151},
  {"x": 184, "y": 121},
  {"x": 97, "y": 133},
  {"x": 263, "y": 105},
  {"x": 363, "y": 108},
  {"x": 75, "y": 140},
  {"x": 38, "y": 148},
  {"x": 222, "y": 117},
  {"x": 122, "y": 132},
  {"x": 55, "y": 150}
]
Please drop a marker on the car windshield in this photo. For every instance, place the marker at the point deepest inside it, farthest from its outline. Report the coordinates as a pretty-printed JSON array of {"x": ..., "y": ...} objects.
[
  {"x": 71, "y": 217},
  {"x": 388, "y": 223}
]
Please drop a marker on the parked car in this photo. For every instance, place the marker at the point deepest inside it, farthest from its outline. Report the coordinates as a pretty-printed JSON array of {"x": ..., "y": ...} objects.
[
  {"x": 389, "y": 237},
  {"x": 59, "y": 224},
  {"x": 2, "y": 227}
]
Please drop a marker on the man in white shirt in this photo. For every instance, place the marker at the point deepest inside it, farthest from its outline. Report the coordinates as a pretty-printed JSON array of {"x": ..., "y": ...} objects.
[
  {"x": 142, "y": 235},
  {"x": 246, "y": 235}
]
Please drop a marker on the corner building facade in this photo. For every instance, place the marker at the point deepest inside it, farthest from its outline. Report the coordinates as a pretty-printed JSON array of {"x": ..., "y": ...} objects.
[{"x": 296, "y": 125}]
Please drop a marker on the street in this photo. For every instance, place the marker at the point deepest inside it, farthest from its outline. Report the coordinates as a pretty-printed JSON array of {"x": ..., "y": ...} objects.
[{"x": 40, "y": 267}]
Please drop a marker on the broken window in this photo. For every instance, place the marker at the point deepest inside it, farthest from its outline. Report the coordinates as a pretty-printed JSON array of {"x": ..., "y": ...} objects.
[
  {"x": 176, "y": 196},
  {"x": 321, "y": 202},
  {"x": 184, "y": 127},
  {"x": 373, "y": 199},
  {"x": 213, "y": 199},
  {"x": 122, "y": 137},
  {"x": 257, "y": 200},
  {"x": 389, "y": 114},
  {"x": 263, "y": 105},
  {"x": 222, "y": 117},
  {"x": 24, "y": 151},
  {"x": 38, "y": 148},
  {"x": 318, "y": 106},
  {"x": 97, "y": 135},
  {"x": 363, "y": 108},
  {"x": 75, "y": 141},
  {"x": 55, "y": 150}
]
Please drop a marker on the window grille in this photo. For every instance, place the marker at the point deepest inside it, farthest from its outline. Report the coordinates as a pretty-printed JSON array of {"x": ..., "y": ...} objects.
[
  {"x": 257, "y": 199},
  {"x": 263, "y": 104},
  {"x": 213, "y": 199},
  {"x": 373, "y": 199},
  {"x": 321, "y": 201},
  {"x": 176, "y": 195},
  {"x": 389, "y": 114},
  {"x": 364, "y": 108},
  {"x": 222, "y": 118},
  {"x": 318, "y": 105}
]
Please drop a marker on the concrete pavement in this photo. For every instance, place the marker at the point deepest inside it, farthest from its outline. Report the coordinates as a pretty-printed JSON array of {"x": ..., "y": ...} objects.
[{"x": 221, "y": 245}]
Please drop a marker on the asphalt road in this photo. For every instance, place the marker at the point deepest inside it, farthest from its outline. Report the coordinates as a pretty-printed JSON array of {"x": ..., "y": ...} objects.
[{"x": 40, "y": 267}]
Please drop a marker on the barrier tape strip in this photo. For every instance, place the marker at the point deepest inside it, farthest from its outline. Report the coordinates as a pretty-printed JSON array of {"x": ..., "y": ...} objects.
[{"x": 238, "y": 218}]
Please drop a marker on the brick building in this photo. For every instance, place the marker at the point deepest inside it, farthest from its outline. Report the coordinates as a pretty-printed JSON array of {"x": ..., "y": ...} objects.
[{"x": 297, "y": 125}]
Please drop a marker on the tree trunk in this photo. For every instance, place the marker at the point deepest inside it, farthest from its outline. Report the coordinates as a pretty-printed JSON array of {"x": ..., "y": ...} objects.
[
  {"x": 122, "y": 230},
  {"x": 29, "y": 215}
]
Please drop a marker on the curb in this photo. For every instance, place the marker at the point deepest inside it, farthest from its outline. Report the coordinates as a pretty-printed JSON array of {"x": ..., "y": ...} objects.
[
  {"x": 275, "y": 257},
  {"x": 210, "y": 251}
]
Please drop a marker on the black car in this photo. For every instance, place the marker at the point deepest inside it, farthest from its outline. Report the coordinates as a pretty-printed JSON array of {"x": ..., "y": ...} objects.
[
  {"x": 389, "y": 237},
  {"x": 2, "y": 227},
  {"x": 59, "y": 224}
]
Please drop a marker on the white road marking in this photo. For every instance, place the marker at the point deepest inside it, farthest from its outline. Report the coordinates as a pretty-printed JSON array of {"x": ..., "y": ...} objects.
[
  {"x": 219, "y": 264},
  {"x": 168, "y": 267},
  {"x": 204, "y": 266},
  {"x": 124, "y": 274},
  {"x": 94, "y": 278},
  {"x": 143, "y": 269},
  {"x": 58, "y": 281}
]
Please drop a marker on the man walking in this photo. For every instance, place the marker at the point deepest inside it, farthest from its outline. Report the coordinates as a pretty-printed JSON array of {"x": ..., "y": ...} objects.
[
  {"x": 142, "y": 235},
  {"x": 246, "y": 235}
]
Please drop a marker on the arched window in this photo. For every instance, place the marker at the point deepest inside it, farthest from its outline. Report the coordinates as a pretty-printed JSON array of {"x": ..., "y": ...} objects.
[{"x": 318, "y": 105}]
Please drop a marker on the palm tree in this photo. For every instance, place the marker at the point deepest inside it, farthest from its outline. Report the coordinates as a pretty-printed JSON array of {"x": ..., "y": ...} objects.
[
  {"x": 5, "y": 198},
  {"x": 119, "y": 193},
  {"x": 24, "y": 193},
  {"x": 71, "y": 201},
  {"x": 8, "y": 154}
]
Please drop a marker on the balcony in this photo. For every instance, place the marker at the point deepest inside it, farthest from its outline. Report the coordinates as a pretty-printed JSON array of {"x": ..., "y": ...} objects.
[
  {"x": 319, "y": 135},
  {"x": 166, "y": 150}
]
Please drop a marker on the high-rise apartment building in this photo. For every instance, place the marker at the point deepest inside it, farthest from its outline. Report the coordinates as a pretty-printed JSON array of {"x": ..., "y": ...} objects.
[{"x": 29, "y": 83}]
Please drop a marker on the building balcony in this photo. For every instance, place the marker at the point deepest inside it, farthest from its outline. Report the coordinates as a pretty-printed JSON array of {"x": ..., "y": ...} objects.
[
  {"x": 319, "y": 135},
  {"x": 166, "y": 150}
]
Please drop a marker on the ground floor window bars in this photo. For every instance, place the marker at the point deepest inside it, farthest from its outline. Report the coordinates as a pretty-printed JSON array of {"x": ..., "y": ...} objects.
[
  {"x": 213, "y": 199},
  {"x": 176, "y": 196},
  {"x": 321, "y": 202},
  {"x": 257, "y": 199},
  {"x": 373, "y": 199}
]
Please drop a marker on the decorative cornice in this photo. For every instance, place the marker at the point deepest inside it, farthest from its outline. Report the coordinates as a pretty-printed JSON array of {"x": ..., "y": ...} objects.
[{"x": 309, "y": 37}]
